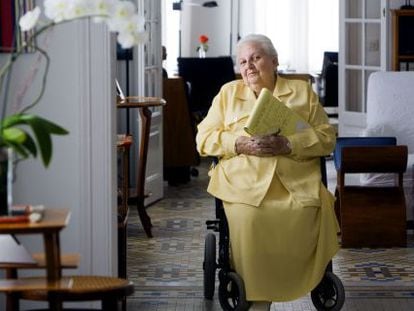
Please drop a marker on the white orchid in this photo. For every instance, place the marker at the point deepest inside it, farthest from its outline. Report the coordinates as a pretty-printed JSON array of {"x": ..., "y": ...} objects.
[
  {"x": 102, "y": 8},
  {"x": 123, "y": 10},
  {"x": 78, "y": 8},
  {"x": 29, "y": 20},
  {"x": 120, "y": 17},
  {"x": 56, "y": 9}
]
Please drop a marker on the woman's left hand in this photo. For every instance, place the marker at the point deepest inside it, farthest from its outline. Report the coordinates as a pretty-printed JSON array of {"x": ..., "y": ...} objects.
[{"x": 272, "y": 145}]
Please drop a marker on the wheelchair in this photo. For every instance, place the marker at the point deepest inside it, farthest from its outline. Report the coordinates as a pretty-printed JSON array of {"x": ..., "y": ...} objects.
[{"x": 329, "y": 294}]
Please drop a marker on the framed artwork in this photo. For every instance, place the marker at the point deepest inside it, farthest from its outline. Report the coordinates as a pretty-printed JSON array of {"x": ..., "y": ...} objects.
[{"x": 11, "y": 38}]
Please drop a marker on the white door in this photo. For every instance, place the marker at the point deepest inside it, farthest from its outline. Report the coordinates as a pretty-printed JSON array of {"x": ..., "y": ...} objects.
[
  {"x": 149, "y": 79},
  {"x": 362, "y": 51}
]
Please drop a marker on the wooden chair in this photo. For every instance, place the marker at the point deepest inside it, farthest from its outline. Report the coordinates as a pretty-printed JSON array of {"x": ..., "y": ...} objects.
[
  {"x": 123, "y": 146},
  {"x": 15, "y": 257},
  {"x": 292, "y": 76},
  {"x": 372, "y": 216},
  {"x": 298, "y": 76},
  {"x": 180, "y": 151},
  {"x": 108, "y": 290},
  {"x": 354, "y": 141}
]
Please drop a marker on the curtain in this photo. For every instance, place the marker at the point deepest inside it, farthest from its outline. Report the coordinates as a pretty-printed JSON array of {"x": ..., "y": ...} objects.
[{"x": 301, "y": 30}]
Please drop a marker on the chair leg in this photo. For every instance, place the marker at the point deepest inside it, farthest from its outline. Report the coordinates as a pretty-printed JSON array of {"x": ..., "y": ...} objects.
[
  {"x": 337, "y": 207},
  {"x": 12, "y": 299},
  {"x": 122, "y": 250},
  {"x": 143, "y": 216},
  {"x": 12, "y": 302},
  {"x": 55, "y": 304},
  {"x": 110, "y": 304}
]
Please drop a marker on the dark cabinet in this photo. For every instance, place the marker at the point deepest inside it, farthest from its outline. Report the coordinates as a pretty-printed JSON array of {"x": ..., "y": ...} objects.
[{"x": 402, "y": 40}]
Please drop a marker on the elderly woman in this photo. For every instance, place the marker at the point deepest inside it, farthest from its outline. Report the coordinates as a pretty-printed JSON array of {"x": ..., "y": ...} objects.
[{"x": 283, "y": 229}]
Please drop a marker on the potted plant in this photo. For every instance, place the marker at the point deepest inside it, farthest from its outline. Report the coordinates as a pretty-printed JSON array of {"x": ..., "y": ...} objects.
[{"x": 28, "y": 134}]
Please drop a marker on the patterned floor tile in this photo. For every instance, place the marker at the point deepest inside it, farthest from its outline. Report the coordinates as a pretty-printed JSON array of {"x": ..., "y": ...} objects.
[{"x": 167, "y": 269}]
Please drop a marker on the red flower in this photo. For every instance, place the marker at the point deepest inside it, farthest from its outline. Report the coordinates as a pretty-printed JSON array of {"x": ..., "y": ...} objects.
[{"x": 203, "y": 39}]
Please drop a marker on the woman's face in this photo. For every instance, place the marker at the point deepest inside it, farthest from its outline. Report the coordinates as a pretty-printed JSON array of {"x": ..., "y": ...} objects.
[{"x": 257, "y": 68}]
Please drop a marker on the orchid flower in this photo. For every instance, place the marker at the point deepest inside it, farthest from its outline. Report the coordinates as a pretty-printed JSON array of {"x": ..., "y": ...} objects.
[
  {"x": 29, "y": 20},
  {"x": 120, "y": 16}
]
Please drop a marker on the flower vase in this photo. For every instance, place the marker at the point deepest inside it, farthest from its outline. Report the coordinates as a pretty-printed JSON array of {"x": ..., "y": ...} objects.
[
  {"x": 6, "y": 179},
  {"x": 201, "y": 52}
]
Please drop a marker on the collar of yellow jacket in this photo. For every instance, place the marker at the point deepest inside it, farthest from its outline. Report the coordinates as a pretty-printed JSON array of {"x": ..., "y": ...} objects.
[{"x": 281, "y": 89}]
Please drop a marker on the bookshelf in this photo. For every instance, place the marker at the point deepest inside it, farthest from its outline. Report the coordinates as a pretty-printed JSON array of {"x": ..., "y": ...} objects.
[{"x": 402, "y": 41}]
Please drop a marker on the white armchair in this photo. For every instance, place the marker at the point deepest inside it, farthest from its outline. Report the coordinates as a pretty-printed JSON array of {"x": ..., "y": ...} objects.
[{"x": 390, "y": 112}]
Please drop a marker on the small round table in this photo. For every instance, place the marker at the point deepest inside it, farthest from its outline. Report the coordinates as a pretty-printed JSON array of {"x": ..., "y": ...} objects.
[{"x": 143, "y": 104}]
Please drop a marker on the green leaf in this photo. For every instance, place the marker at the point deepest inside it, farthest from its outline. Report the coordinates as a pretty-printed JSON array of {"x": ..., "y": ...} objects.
[
  {"x": 22, "y": 142},
  {"x": 14, "y": 135},
  {"x": 43, "y": 139},
  {"x": 52, "y": 127},
  {"x": 30, "y": 145},
  {"x": 10, "y": 121}
]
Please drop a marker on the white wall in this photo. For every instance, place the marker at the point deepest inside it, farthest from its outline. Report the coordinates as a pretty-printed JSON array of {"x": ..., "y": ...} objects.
[
  {"x": 212, "y": 22},
  {"x": 80, "y": 97}
]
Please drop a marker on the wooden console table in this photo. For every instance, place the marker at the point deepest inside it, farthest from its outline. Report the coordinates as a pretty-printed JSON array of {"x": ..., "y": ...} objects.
[{"x": 143, "y": 104}]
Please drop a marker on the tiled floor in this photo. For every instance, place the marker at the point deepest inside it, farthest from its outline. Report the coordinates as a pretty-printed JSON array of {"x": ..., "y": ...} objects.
[{"x": 167, "y": 270}]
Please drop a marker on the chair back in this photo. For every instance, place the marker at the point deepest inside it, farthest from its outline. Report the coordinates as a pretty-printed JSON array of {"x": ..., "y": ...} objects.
[
  {"x": 330, "y": 77},
  {"x": 374, "y": 159},
  {"x": 179, "y": 133},
  {"x": 298, "y": 76},
  {"x": 205, "y": 77},
  {"x": 390, "y": 106}
]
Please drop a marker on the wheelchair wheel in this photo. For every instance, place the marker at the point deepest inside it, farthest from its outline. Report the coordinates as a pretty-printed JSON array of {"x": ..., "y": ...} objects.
[
  {"x": 209, "y": 265},
  {"x": 329, "y": 294},
  {"x": 232, "y": 294}
]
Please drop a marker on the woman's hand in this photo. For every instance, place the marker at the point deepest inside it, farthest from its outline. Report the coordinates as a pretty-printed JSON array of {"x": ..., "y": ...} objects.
[{"x": 263, "y": 146}]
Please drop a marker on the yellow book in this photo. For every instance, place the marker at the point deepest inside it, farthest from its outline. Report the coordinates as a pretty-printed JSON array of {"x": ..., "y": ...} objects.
[{"x": 269, "y": 115}]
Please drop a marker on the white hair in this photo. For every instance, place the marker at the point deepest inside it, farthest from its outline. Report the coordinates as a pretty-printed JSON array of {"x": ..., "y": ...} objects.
[{"x": 264, "y": 41}]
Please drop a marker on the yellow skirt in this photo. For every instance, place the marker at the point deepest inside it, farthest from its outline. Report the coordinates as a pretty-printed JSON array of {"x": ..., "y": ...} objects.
[{"x": 281, "y": 249}]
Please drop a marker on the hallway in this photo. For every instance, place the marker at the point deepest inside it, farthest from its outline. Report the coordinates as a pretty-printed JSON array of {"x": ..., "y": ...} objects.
[{"x": 167, "y": 270}]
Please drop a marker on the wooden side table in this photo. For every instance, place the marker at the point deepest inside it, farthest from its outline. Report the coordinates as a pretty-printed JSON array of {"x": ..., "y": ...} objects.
[
  {"x": 143, "y": 104},
  {"x": 53, "y": 221},
  {"x": 54, "y": 288}
]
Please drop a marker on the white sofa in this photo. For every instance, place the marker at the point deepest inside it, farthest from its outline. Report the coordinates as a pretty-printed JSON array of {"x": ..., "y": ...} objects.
[{"x": 390, "y": 112}]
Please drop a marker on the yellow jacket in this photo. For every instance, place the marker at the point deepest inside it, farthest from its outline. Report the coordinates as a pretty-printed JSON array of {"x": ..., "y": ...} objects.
[{"x": 246, "y": 179}]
